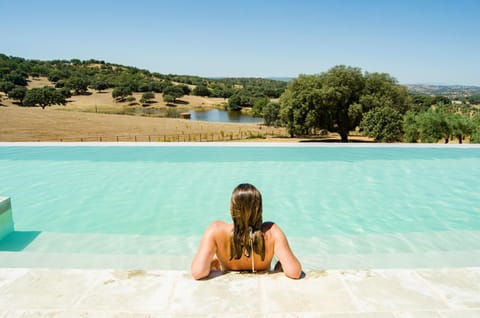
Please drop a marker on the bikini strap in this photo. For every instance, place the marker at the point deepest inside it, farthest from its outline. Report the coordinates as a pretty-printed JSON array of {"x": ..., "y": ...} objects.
[{"x": 250, "y": 230}]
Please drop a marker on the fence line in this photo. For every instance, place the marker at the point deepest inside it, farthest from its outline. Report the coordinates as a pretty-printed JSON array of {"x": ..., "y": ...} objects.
[{"x": 198, "y": 137}]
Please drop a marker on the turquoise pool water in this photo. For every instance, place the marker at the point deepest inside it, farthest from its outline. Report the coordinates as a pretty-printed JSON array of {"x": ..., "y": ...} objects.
[{"x": 340, "y": 206}]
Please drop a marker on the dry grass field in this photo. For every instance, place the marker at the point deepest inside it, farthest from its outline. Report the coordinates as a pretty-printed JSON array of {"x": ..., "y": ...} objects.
[
  {"x": 51, "y": 124},
  {"x": 98, "y": 117}
]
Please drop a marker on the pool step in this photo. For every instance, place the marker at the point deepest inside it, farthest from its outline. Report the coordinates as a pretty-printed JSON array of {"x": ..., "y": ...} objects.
[
  {"x": 66, "y": 250},
  {"x": 392, "y": 260},
  {"x": 387, "y": 243},
  {"x": 401, "y": 250},
  {"x": 96, "y": 243}
]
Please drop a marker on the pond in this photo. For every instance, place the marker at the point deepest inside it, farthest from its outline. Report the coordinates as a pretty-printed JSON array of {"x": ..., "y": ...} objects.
[
  {"x": 211, "y": 115},
  {"x": 217, "y": 115}
]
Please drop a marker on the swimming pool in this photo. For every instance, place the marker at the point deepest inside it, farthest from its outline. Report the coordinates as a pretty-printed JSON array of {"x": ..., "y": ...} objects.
[{"x": 145, "y": 205}]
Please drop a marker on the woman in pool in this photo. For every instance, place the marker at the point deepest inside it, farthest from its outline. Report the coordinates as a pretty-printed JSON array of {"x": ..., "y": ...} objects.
[{"x": 247, "y": 244}]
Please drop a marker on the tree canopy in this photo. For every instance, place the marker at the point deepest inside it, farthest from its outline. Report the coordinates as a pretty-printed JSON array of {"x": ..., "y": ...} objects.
[
  {"x": 43, "y": 97},
  {"x": 201, "y": 90},
  {"x": 337, "y": 100},
  {"x": 172, "y": 92},
  {"x": 120, "y": 93},
  {"x": 147, "y": 98},
  {"x": 383, "y": 123},
  {"x": 439, "y": 123}
]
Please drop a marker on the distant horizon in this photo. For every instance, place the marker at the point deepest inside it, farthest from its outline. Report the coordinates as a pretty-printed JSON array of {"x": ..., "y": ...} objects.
[
  {"x": 429, "y": 84},
  {"x": 434, "y": 83},
  {"x": 280, "y": 78},
  {"x": 424, "y": 41}
]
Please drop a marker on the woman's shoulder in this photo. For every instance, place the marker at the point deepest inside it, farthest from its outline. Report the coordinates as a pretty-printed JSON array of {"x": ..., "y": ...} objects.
[
  {"x": 220, "y": 226},
  {"x": 270, "y": 226},
  {"x": 272, "y": 229}
]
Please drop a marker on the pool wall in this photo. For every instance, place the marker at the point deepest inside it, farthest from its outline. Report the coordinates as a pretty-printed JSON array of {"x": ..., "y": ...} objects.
[{"x": 6, "y": 220}]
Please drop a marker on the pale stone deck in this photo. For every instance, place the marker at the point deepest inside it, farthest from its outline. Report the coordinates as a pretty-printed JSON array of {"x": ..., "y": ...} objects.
[{"x": 392, "y": 293}]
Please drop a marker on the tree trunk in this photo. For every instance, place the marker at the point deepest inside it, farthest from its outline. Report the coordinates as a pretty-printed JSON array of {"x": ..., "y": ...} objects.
[
  {"x": 460, "y": 138},
  {"x": 344, "y": 136}
]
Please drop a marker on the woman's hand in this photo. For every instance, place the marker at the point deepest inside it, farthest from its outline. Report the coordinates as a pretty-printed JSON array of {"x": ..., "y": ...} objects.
[{"x": 215, "y": 265}]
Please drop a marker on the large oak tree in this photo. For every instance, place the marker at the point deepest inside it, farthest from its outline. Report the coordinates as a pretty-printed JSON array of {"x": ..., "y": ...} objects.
[{"x": 337, "y": 99}]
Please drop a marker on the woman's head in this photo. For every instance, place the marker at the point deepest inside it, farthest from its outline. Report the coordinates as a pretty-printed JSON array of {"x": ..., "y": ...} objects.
[
  {"x": 246, "y": 211},
  {"x": 246, "y": 206}
]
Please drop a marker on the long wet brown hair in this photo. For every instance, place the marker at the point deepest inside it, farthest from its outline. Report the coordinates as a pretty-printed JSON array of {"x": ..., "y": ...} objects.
[{"x": 246, "y": 210}]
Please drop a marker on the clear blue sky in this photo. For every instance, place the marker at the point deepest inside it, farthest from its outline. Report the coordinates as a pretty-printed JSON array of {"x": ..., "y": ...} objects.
[{"x": 416, "y": 41}]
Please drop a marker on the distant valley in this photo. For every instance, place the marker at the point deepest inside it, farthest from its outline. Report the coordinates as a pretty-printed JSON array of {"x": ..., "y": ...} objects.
[{"x": 452, "y": 91}]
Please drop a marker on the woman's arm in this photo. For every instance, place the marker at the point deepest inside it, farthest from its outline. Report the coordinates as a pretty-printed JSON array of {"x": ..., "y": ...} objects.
[
  {"x": 202, "y": 262},
  {"x": 290, "y": 264}
]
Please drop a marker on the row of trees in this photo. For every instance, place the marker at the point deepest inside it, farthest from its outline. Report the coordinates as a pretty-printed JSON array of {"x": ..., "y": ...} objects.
[
  {"x": 78, "y": 77},
  {"x": 339, "y": 100},
  {"x": 345, "y": 99},
  {"x": 441, "y": 123}
]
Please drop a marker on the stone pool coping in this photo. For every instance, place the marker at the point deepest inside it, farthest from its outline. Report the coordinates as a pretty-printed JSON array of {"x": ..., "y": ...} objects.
[
  {"x": 376, "y": 293},
  {"x": 233, "y": 144}
]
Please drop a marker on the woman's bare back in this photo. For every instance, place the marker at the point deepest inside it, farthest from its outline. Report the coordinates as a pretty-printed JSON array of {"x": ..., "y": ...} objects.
[
  {"x": 216, "y": 245},
  {"x": 223, "y": 240}
]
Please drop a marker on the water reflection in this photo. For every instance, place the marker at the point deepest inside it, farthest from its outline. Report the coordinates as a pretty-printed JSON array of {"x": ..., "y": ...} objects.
[
  {"x": 212, "y": 115},
  {"x": 217, "y": 115}
]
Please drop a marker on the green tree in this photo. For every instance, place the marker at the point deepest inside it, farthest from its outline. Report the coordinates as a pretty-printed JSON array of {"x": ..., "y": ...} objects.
[
  {"x": 234, "y": 103},
  {"x": 168, "y": 98},
  {"x": 16, "y": 78},
  {"x": 100, "y": 84},
  {"x": 120, "y": 93},
  {"x": 146, "y": 98},
  {"x": 421, "y": 103},
  {"x": 241, "y": 98},
  {"x": 258, "y": 106},
  {"x": 322, "y": 101},
  {"x": 337, "y": 99},
  {"x": 382, "y": 90},
  {"x": 342, "y": 88},
  {"x": 222, "y": 90},
  {"x": 144, "y": 86},
  {"x": 271, "y": 114},
  {"x": 65, "y": 92},
  {"x": 43, "y": 97},
  {"x": 433, "y": 126},
  {"x": 54, "y": 75},
  {"x": 460, "y": 126},
  {"x": 201, "y": 90},
  {"x": 441, "y": 100},
  {"x": 157, "y": 86},
  {"x": 173, "y": 92},
  {"x": 383, "y": 123},
  {"x": 186, "y": 89},
  {"x": 6, "y": 86},
  {"x": 411, "y": 131},
  {"x": 78, "y": 84},
  {"x": 17, "y": 93},
  {"x": 475, "y": 124},
  {"x": 301, "y": 101}
]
